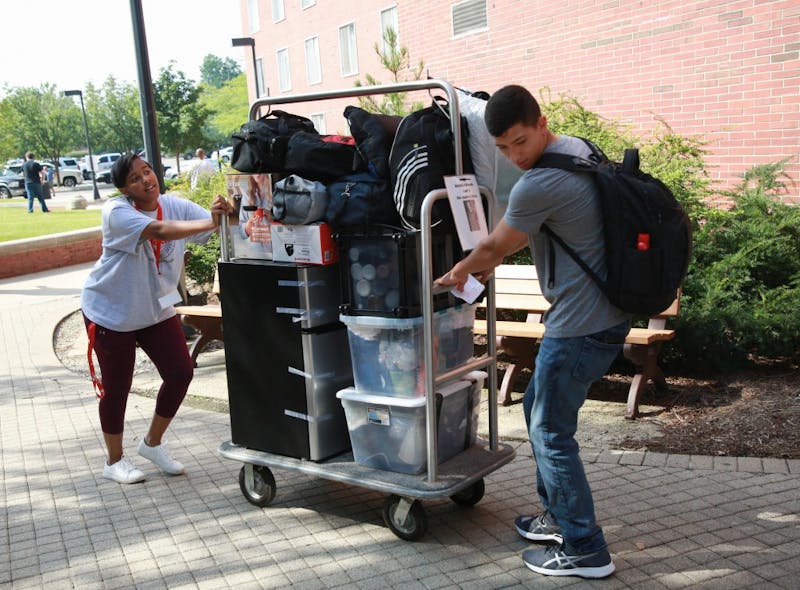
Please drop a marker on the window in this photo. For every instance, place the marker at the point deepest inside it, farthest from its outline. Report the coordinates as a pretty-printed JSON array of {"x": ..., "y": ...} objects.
[
  {"x": 469, "y": 16},
  {"x": 389, "y": 21},
  {"x": 284, "y": 74},
  {"x": 313, "y": 65},
  {"x": 252, "y": 16},
  {"x": 277, "y": 11},
  {"x": 319, "y": 122},
  {"x": 348, "y": 55},
  {"x": 307, "y": 3},
  {"x": 260, "y": 84}
]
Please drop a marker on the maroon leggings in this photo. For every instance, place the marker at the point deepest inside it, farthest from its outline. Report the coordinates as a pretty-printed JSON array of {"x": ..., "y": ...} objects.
[{"x": 165, "y": 344}]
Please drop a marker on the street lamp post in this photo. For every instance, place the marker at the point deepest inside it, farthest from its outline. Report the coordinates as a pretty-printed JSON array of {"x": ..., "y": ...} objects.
[
  {"x": 248, "y": 42},
  {"x": 88, "y": 144}
]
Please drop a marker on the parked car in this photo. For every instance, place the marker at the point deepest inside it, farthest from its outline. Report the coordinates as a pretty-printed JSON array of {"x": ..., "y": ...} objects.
[
  {"x": 225, "y": 154},
  {"x": 69, "y": 171},
  {"x": 12, "y": 184},
  {"x": 103, "y": 164}
]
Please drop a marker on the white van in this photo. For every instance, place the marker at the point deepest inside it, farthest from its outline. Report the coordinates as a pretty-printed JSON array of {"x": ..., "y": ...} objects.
[{"x": 102, "y": 166}]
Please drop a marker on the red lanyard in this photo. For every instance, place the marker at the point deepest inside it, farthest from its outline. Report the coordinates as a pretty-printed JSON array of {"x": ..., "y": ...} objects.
[
  {"x": 156, "y": 244},
  {"x": 98, "y": 386}
]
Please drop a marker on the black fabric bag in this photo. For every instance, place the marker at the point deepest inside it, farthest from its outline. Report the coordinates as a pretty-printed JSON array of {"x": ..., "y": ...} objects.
[
  {"x": 260, "y": 145},
  {"x": 647, "y": 234},
  {"x": 299, "y": 201},
  {"x": 422, "y": 154},
  {"x": 360, "y": 200},
  {"x": 322, "y": 157},
  {"x": 374, "y": 134}
]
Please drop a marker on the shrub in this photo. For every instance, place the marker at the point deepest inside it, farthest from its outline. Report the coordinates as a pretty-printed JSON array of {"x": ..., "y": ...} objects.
[
  {"x": 202, "y": 261},
  {"x": 742, "y": 294}
]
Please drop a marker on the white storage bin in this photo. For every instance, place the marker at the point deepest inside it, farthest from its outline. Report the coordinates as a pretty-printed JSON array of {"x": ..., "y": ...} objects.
[
  {"x": 388, "y": 353},
  {"x": 388, "y": 432}
]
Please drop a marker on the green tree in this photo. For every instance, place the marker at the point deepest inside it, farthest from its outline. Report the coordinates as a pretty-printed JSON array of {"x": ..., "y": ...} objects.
[
  {"x": 397, "y": 62},
  {"x": 114, "y": 116},
  {"x": 228, "y": 107},
  {"x": 10, "y": 146},
  {"x": 47, "y": 122},
  {"x": 181, "y": 117},
  {"x": 216, "y": 71}
]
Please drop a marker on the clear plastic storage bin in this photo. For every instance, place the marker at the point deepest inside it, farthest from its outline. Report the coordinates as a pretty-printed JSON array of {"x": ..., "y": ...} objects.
[
  {"x": 388, "y": 353},
  {"x": 389, "y": 432}
]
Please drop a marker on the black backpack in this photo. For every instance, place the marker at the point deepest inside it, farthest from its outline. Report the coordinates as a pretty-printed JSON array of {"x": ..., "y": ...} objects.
[
  {"x": 422, "y": 155},
  {"x": 260, "y": 145},
  {"x": 648, "y": 236}
]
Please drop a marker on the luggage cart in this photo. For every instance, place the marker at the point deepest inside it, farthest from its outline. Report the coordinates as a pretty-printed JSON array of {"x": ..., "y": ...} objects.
[{"x": 459, "y": 478}]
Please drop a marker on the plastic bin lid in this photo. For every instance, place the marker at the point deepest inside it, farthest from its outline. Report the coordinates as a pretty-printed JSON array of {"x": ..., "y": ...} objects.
[
  {"x": 399, "y": 323},
  {"x": 445, "y": 389},
  {"x": 475, "y": 376}
]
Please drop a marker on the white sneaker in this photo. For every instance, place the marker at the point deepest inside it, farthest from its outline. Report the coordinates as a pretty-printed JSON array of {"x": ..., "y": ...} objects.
[
  {"x": 161, "y": 457},
  {"x": 123, "y": 471}
]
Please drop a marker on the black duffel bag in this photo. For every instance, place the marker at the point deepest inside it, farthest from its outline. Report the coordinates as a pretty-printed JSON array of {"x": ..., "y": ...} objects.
[
  {"x": 260, "y": 145},
  {"x": 360, "y": 200},
  {"x": 322, "y": 157}
]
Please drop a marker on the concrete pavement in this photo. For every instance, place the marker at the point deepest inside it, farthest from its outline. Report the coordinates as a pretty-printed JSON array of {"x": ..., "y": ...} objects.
[{"x": 672, "y": 521}]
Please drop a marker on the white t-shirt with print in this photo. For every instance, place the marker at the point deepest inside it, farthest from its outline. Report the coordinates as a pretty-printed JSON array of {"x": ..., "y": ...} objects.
[{"x": 125, "y": 291}]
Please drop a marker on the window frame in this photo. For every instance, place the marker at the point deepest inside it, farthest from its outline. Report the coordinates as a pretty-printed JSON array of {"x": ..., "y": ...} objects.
[
  {"x": 284, "y": 76},
  {"x": 275, "y": 4},
  {"x": 253, "y": 17},
  {"x": 317, "y": 59},
  {"x": 353, "y": 40},
  {"x": 395, "y": 26}
]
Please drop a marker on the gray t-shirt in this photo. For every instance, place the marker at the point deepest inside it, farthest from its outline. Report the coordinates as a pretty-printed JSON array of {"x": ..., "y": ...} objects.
[
  {"x": 125, "y": 291},
  {"x": 568, "y": 203}
]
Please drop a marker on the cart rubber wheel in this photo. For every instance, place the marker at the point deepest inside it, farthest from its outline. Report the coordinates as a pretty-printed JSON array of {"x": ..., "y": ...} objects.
[
  {"x": 410, "y": 528},
  {"x": 262, "y": 491},
  {"x": 471, "y": 495}
]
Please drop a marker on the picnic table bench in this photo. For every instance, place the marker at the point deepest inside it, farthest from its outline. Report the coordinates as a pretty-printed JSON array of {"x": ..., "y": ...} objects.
[
  {"x": 517, "y": 288},
  {"x": 206, "y": 319}
]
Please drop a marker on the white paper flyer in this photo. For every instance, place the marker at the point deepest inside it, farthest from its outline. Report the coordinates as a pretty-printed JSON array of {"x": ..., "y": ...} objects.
[{"x": 466, "y": 204}]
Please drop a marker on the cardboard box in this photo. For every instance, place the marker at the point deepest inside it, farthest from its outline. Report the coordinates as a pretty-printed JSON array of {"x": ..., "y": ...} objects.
[
  {"x": 312, "y": 244},
  {"x": 251, "y": 196}
]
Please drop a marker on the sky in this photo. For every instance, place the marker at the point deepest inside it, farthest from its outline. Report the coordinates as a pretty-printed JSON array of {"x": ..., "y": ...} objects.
[{"x": 70, "y": 43}]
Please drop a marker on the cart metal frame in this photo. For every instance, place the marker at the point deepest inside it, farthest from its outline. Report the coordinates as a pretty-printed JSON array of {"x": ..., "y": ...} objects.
[{"x": 460, "y": 478}]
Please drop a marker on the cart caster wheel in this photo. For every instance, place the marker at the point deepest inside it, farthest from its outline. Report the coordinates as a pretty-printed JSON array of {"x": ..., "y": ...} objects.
[
  {"x": 471, "y": 495},
  {"x": 411, "y": 526},
  {"x": 260, "y": 490}
]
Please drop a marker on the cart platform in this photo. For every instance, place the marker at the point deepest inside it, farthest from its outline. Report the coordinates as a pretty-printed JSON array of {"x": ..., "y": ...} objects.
[{"x": 454, "y": 475}]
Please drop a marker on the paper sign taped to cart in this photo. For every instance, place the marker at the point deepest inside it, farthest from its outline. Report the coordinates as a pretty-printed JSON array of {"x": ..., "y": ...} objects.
[
  {"x": 465, "y": 202},
  {"x": 251, "y": 197}
]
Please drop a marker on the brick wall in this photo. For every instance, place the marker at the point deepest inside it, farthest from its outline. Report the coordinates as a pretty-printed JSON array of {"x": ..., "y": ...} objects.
[
  {"x": 20, "y": 257},
  {"x": 726, "y": 71}
]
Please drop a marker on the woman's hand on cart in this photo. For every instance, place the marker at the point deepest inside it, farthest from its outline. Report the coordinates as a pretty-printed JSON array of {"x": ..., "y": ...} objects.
[{"x": 219, "y": 207}]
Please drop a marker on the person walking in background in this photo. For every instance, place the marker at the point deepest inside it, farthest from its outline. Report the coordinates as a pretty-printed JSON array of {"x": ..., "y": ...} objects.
[
  {"x": 32, "y": 171},
  {"x": 47, "y": 186},
  {"x": 584, "y": 331},
  {"x": 204, "y": 168},
  {"x": 129, "y": 299}
]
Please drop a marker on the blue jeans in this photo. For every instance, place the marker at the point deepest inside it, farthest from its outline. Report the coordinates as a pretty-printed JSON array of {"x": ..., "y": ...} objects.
[
  {"x": 34, "y": 190},
  {"x": 565, "y": 367}
]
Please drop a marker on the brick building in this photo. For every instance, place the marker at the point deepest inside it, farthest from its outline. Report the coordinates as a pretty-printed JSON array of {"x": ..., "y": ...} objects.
[{"x": 726, "y": 71}]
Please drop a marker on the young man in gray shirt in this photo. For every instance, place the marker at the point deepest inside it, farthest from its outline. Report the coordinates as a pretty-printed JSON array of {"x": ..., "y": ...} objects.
[{"x": 584, "y": 332}]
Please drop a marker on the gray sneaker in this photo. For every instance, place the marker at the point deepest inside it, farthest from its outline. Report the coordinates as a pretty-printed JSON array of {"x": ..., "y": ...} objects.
[
  {"x": 556, "y": 561},
  {"x": 539, "y": 528}
]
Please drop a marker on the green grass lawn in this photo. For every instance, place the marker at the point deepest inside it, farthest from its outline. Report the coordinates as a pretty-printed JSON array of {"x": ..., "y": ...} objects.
[{"x": 16, "y": 223}]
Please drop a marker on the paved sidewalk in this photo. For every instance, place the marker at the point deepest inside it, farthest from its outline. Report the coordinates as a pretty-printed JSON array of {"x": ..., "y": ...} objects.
[{"x": 672, "y": 521}]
